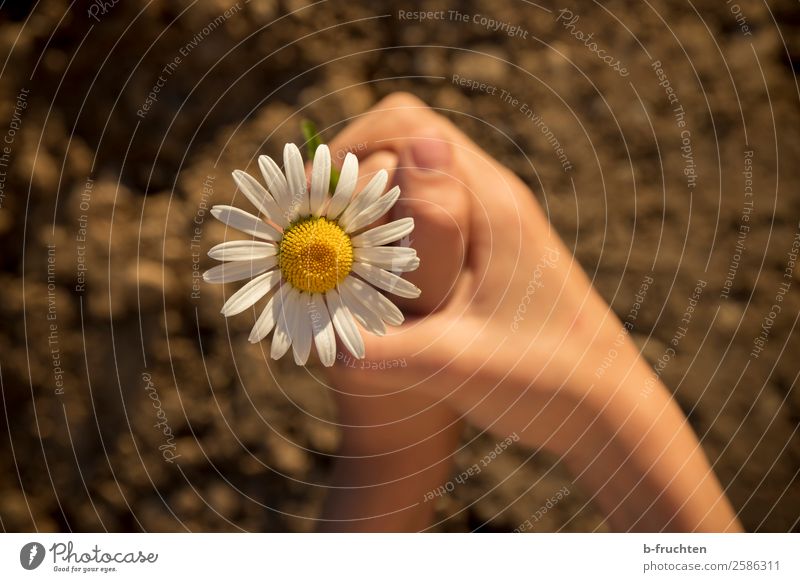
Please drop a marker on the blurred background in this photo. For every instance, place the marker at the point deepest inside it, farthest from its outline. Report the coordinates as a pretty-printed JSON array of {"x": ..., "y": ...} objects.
[{"x": 121, "y": 123}]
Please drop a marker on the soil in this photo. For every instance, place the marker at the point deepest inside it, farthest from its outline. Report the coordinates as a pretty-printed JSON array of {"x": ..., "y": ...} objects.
[{"x": 105, "y": 341}]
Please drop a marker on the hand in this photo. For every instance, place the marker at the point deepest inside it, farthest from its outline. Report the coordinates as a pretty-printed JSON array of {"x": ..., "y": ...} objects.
[
  {"x": 508, "y": 334},
  {"x": 498, "y": 285}
]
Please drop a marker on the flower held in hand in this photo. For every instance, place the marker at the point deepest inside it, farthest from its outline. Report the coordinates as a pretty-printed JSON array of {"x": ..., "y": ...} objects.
[{"x": 313, "y": 256}]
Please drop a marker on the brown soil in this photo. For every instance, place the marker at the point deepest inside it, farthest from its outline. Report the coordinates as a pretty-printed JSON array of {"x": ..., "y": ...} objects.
[{"x": 255, "y": 437}]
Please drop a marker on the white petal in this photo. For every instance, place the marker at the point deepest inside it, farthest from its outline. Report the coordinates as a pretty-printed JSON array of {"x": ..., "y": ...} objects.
[
  {"x": 296, "y": 179},
  {"x": 386, "y": 280},
  {"x": 411, "y": 265},
  {"x": 365, "y": 198},
  {"x": 374, "y": 211},
  {"x": 287, "y": 312},
  {"x": 243, "y": 250},
  {"x": 383, "y": 254},
  {"x": 245, "y": 222},
  {"x": 301, "y": 332},
  {"x": 375, "y": 300},
  {"x": 250, "y": 293},
  {"x": 238, "y": 270},
  {"x": 371, "y": 321},
  {"x": 320, "y": 179},
  {"x": 266, "y": 321},
  {"x": 344, "y": 324},
  {"x": 344, "y": 188},
  {"x": 259, "y": 197},
  {"x": 397, "y": 259},
  {"x": 276, "y": 182},
  {"x": 322, "y": 326},
  {"x": 384, "y": 234}
]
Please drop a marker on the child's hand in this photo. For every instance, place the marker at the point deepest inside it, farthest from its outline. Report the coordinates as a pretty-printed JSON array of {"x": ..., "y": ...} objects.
[
  {"x": 478, "y": 327},
  {"x": 509, "y": 335},
  {"x": 502, "y": 298}
]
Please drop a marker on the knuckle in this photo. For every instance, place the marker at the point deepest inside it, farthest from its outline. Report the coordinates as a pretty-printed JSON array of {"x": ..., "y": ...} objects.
[
  {"x": 402, "y": 99},
  {"x": 412, "y": 111}
]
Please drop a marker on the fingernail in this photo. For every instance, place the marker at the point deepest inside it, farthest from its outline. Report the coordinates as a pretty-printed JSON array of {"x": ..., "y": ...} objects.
[{"x": 431, "y": 154}]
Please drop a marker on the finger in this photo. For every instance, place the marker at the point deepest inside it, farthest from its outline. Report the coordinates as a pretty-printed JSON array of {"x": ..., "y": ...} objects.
[
  {"x": 388, "y": 125},
  {"x": 421, "y": 344},
  {"x": 398, "y": 120},
  {"x": 401, "y": 348},
  {"x": 401, "y": 117},
  {"x": 439, "y": 204}
]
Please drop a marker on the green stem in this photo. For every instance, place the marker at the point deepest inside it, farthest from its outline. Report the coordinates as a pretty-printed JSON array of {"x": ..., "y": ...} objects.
[{"x": 313, "y": 141}]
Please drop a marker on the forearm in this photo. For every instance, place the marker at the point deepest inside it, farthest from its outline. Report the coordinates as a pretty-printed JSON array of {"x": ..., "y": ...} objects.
[
  {"x": 633, "y": 449},
  {"x": 394, "y": 450},
  {"x": 383, "y": 493},
  {"x": 619, "y": 432}
]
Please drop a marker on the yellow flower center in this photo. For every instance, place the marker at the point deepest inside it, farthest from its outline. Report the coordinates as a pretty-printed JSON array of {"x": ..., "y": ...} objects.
[{"x": 315, "y": 255}]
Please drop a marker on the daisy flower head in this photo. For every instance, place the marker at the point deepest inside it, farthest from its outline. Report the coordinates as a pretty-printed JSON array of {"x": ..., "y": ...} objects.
[{"x": 313, "y": 255}]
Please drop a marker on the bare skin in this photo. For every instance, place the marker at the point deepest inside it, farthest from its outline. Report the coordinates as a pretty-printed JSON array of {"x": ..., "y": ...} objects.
[{"x": 507, "y": 335}]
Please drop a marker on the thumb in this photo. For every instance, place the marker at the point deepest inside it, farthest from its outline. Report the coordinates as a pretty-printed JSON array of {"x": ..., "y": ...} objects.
[
  {"x": 432, "y": 194},
  {"x": 403, "y": 348}
]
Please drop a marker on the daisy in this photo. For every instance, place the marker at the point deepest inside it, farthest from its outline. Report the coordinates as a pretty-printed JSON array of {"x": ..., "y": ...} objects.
[{"x": 314, "y": 257}]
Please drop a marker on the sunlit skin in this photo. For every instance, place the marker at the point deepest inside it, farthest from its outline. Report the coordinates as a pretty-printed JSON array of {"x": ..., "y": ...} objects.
[{"x": 479, "y": 235}]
